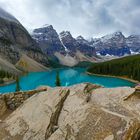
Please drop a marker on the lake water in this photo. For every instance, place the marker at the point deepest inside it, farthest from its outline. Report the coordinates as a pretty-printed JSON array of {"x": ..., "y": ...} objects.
[{"x": 68, "y": 76}]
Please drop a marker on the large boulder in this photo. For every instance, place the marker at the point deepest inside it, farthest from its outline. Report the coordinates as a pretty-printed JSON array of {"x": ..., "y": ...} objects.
[{"x": 80, "y": 112}]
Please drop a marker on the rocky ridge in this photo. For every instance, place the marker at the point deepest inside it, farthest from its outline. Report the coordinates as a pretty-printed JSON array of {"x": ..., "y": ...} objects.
[
  {"x": 63, "y": 46},
  {"x": 48, "y": 40},
  {"x": 46, "y": 46},
  {"x": 115, "y": 44},
  {"x": 16, "y": 41},
  {"x": 79, "y": 112}
]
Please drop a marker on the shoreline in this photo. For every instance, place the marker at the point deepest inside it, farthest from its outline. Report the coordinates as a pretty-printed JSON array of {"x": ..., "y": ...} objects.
[
  {"x": 88, "y": 73},
  {"x": 7, "y": 83},
  {"x": 120, "y": 77}
]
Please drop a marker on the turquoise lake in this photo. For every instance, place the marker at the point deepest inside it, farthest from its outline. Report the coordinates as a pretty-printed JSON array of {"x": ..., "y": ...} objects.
[{"x": 68, "y": 76}]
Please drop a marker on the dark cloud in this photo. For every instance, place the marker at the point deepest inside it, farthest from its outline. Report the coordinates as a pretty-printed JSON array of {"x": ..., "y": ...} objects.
[{"x": 85, "y": 17}]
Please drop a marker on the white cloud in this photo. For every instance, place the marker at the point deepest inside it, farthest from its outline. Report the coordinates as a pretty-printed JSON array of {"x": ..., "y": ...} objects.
[{"x": 85, "y": 17}]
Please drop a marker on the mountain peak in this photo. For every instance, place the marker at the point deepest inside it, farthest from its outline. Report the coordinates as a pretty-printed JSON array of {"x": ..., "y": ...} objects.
[
  {"x": 65, "y": 34},
  {"x": 44, "y": 29},
  {"x": 116, "y": 35},
  {"x": 7, "y": 16},
  {"x": 80, "y": 38},
  {"x": 47, "y": 26}
]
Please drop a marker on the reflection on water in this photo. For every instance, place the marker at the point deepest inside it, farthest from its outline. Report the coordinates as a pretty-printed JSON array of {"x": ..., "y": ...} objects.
[
  {"x": 69, "y": 73},
  {"x": 67, "y": 83}
]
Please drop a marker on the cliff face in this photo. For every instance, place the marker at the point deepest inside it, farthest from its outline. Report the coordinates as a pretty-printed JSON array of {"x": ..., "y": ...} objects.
[
  {"x": 63, "y": 48},
  {"x": 80, "y": 112},
  {"x": 48, "y": 40},
  {"x": 15, "y": 41},
  {"x": 113, "y": 44}
]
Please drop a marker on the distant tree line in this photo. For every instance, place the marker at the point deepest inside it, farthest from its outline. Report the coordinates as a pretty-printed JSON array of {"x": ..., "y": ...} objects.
[
  {"x": 5, "y": 74},
  {"x": 18, "y": 88},
  {"x": 127, "y": 67}
]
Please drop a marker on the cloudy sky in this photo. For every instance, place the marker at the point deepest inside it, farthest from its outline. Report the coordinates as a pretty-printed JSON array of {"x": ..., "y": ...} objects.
[{"x": 86, "y": 17}]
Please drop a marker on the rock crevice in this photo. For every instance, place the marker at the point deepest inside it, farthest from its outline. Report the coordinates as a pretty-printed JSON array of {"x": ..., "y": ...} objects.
[{"x": 53, "y": 125}]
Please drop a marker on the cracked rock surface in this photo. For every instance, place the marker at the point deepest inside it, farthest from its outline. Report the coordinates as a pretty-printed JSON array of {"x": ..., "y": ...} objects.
[{"x": 63, "y": 113}]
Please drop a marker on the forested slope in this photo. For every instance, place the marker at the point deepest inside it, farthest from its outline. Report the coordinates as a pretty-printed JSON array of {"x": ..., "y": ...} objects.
[{"x": 127, "y": 66}]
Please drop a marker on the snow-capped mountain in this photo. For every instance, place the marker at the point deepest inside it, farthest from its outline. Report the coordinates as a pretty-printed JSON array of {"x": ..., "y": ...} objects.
[
  {"x": 117, "y": 36},
  {"x": 48, "y": 40},
  {"x": 133, "y": 42},
  {"x": 64, "y": 48},
  {"x": 78, "y": 44},
  {"x": 64, "y": 43},
  {"x": 81, "y": 39},
  {"x": 69, "y": 50},
  {"x": 114, "y": 44}
]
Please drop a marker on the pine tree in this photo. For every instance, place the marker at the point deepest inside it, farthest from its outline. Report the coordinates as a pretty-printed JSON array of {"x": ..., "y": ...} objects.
[
  {"x": 17, "y": 84},
  {"x": 58, "y": 83},
  {"x": 1, "y": 81},
  {"x": 127, "y": 66}
]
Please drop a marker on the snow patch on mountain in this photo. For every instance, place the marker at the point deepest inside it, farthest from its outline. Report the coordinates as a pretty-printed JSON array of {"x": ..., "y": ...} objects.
[
  {"x": 112, "y": 45},
  {"x": 134, "y": 53},
  {"x": 66, "y": 50},
  {"x": 98, "y": 54},
  {"x": 81, "y": 39},
  {"x": 110, "y": 36},
  {"x": 64, "y": 34}
]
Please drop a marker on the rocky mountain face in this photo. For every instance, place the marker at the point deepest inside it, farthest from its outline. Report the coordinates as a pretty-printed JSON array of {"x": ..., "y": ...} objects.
[
  {"x": 73, "y": 45},
  {"x": 133, "y": 42},
  {"x": 15, "y": 41},
  {"x": 114, "y": 44},
  {"x": 48, "y": 40},
  {"x": 80, "y": 112},
  {"x": 117, "y": 44},
  {"x": 63, "y": 46}
]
